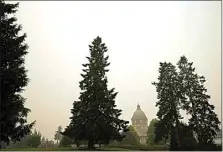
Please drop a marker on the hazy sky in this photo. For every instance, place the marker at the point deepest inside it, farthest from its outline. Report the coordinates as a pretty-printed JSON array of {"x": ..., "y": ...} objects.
[{"x": 138, "y": 35}]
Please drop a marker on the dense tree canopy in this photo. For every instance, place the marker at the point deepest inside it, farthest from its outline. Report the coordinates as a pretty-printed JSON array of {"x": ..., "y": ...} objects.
[
  {"x": 33, "y": 139},
  {"x": 168, "y": 104},
  {"x": 204, "y": 120},
  {"x": 65, "y": 141},
  {"x": 185, "y": 90},
  {"x": 13, "y": 76},
  {"x": 131, "y": 137}
]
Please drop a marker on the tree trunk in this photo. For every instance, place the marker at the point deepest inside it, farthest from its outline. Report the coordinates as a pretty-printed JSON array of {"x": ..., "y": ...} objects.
[
  {"x": 77, "y": 144},
  {"x": 90, "y": 145},
  {"x": 178, "y": 131},
  {"x": 178, "y": 134},
  {"x": 195, "y": 116}
]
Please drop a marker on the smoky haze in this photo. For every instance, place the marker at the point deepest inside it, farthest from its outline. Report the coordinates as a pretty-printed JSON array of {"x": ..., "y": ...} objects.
[{"x": 138, "y": 35}]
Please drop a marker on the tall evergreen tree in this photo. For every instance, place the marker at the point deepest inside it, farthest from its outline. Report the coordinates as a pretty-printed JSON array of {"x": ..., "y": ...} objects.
[
  {"x": 13, "y": 77},
  {"x": 95, "y": 116},
  {"x": 168, "y": 104},
  {"x": 204, "y": 120}
]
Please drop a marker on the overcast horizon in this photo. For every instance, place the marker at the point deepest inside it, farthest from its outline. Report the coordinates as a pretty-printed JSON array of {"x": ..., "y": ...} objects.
[{"x": 138, "y": 35}]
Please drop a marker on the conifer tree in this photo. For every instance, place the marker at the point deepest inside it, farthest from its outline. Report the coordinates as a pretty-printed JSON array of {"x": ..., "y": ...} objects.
[
  {"x": 95, "y": 117},
  {"x": 168, "y": 105},
  {"x": 204, "y": 120},
  {"x": 13, "y": 77}
]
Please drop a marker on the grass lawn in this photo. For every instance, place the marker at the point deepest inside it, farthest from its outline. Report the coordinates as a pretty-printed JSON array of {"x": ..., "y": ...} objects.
[
  {"x": 63, "y": 149},
  {"x": 40, "y": 149}
]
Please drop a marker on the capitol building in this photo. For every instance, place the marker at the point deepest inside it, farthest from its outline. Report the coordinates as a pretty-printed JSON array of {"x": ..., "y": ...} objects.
[{"x": 140, "y": 124}]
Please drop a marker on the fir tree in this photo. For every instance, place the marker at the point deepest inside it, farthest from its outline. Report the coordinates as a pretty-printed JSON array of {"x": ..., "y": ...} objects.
[
  {"x": 95, "y": 116},
  {"x": 13, "y": 77},
  {"x": 204, "y": 120},
  {"x": 168, "y": 104}
]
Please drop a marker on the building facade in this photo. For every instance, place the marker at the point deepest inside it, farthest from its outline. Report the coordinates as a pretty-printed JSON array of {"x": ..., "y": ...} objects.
[{"x": 140, "y": 124}]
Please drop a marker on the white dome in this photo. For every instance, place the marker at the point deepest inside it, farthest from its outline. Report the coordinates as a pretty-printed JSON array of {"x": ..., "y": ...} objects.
[{"x": 139, "y": 114}]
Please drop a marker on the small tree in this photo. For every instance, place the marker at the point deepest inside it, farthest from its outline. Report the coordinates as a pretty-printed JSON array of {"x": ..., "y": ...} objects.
[
  {"x": 151, "y": 132},
  {"x": 58, "y": 135},
  {"x": 34, "y": 140},
  {"x": 13, "y": 77}
]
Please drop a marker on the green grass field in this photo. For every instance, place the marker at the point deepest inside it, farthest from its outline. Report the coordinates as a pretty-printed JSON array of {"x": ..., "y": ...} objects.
[{"x": 63, "y": 149}]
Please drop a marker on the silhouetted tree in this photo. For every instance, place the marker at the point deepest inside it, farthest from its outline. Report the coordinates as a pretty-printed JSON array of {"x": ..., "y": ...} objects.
[
  {"x": 188, "y": 139},
  {"x": 73, "y": 131},
  {"x": 151, "y": 140},
  {"x": 168, "y": 103},
  {"x": 95, "y": 117},
  {"x": 13, "y": 77},
  {"x": 204, "y": 120}
]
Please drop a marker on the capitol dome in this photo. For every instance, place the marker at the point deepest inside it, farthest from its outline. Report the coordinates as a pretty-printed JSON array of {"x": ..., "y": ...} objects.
[
  {"x": 139, "y": 114},
  {"x": 140, "y": 124}
]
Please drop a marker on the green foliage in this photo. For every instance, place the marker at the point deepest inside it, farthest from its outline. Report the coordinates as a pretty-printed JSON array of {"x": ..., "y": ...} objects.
[
  {"x": 151, "y": 132},
  {"x": 21, "y": 143},
  {"x": 65, "y": 141},
  {"x": 204, "y": 120},
  {"x": 58, "y": 135},
  {"x": 43, "y": 140},
  {"x": 188, "y": 140},
  {"x": 48, "y": 143},
  {"x": 168, "y": 103},
  {"x": 34, "y": 140},
  {"x": 31, "y": 140},
  {"x": 184, "y": 90},
  {"x": 152, "y": 135},
  {"x": 95, "y": 117},
  {"x": 13, "y": 77},
  {"x": 131, "y": 137}
]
